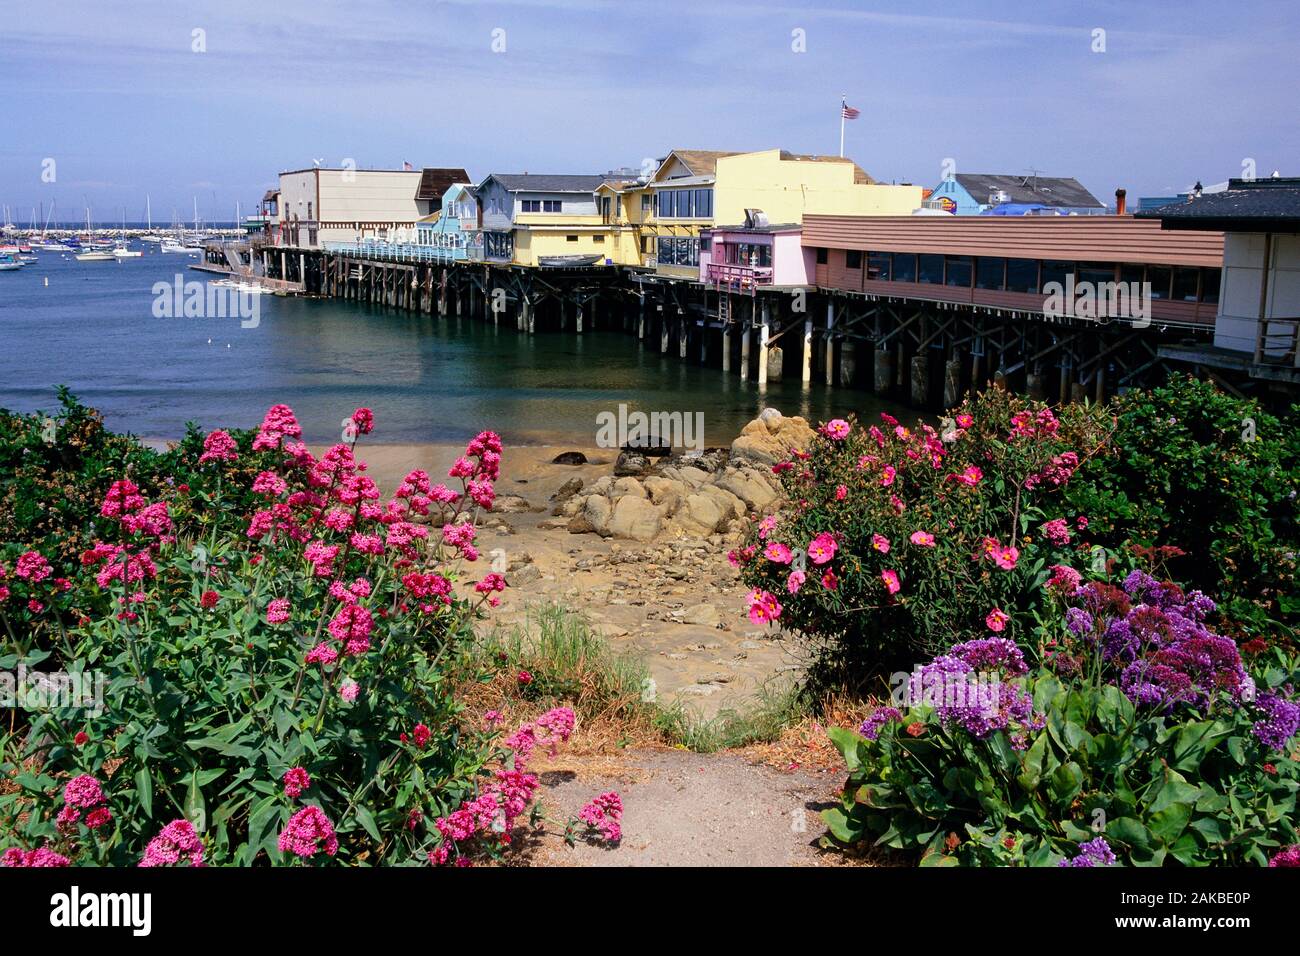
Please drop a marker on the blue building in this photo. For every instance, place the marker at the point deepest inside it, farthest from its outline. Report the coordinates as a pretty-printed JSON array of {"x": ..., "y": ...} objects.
[
  {"x": 453, "y": 232},
  {"x": 977, "y": 194}
]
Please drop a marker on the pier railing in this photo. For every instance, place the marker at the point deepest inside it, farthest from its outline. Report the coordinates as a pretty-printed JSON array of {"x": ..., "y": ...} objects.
[
  {"x": 1278, "y": 342},
  {"x": 745, "y": 277},
  {"x": 398, "y": 252}
]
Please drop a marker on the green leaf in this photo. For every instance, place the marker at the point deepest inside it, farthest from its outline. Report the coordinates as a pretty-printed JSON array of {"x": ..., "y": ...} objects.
[
  {"x": 367, "y": 820},
  {"x": 196, "y": 808},
  {"x": 144, "y": 790}
]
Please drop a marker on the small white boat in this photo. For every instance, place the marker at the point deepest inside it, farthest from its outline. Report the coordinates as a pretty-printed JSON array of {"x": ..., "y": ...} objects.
[
  {"x": 94, "y": 256},
  {"x": 122, "y": 252},
  {"x": 171, "y": 245}
]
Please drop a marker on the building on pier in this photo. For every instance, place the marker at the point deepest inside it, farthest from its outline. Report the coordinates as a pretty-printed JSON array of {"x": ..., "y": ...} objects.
[
  {"x": 348, "y": 205},
  {"x": 694, "y": 190},
  {"x": 975, "y": 194},
  {"x": 453, "y": 231},
  {"x": 755, "y": 255},
  {"x": 530, "y": 219},
  {"x": 1257, "y": 321}
]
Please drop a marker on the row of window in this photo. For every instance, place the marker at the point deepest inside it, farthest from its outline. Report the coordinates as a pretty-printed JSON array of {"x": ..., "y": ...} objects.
[
  {"x": 1179, "y": 283},
  {"x": 598, "y": 238},
  {"x": 542, "y": 205},
  {"x": 747, "y": 254},
  {"x": 684, "y": 204},
  {"x": 678, "y": 251}
]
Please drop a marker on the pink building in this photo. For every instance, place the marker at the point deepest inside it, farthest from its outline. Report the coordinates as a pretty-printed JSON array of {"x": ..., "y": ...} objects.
[{"x": 755, "y": 254}]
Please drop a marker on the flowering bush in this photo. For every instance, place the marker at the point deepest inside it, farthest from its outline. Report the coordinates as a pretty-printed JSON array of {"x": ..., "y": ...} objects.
[
  {"x": 896, "y": 540},
  {"x": 278, "y": 646},
  {"x": 1214, "y": 476},
  {"x": 1141, "y": 735}
]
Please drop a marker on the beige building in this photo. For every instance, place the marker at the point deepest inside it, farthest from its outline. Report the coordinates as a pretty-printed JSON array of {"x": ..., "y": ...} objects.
[{"x": 346, "y": 205}]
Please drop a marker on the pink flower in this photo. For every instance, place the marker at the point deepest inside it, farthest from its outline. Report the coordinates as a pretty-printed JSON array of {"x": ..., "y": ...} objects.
[
  {"x": 841, "y": 492},
  {"x": 922, "y": 539},
  {"x": 296, "y": 780},
  {"x": 888, "y": 473},
  {"x": 604, "y": 813},
  {"x": 795, "y": 581},
  {"x": 996, "y": 620},
  {"x": 33, "y": 567},
  {"x": 352, "y": 626},
  {"x": 219, "y": 446},
  {"x": 766, "y": 526},
  {"x": 836, "y": 429},
  {"x": 763, "y": 607},
  {"x": 322, "y": 653},
  {"x": 524, "y": 678},
  {"x": 965, "y": 421},
  {"x": 1056, "y": 531},
  {"x": 208, "y": 599},
  {"x": 1005, "y": 558},
  {"x": 880, "y": 543},
  {"x": 175, "y": 843},
  {"x": 278, "y": 424},
  {"x": 822, "y": 548},
  {"x": 778, "y": 552},
  {"x": 349, "y": 690},
  {"x": 269, "y": 483},
  {"x": 41, "y": 857},
  {"x": 307, "y": 833},
  {"x": 493, "y": 582},
  {"x": 890, "y": 579},
  {"x": 364, "y": 420},
  {"x": 829, "y": 581},
  {"x": 277, "y": 612},
  {"x": 1064, "y": 578},
  {"x": 969, "y": 477},
  {"x": 1081, "y": 523}
]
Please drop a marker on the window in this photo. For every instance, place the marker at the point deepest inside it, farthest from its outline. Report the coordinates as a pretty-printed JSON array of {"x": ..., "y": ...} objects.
[
  {"x": 704, "y": 203},
  {"x": 958, "y": 271},
  {"x": 678, "y": 252},
  {"x": 990, "y": 273},
  {"x": 1160, "y": 277},
  {"x": 929, "y": 268},
  {"x": 1022, "y": 275},
  {"x": 879, "y": 266},
  {"x": 532, "y": 205},
  {"x": 645, "y": 243},
  {"x": 1185, "y": 281},
  {"x": 552, "y": 205},
  {"x": 598, "y": 238},
  {"x": 645, "y": 203},
  {"x": 706, "y": 243},
  {"x": 570, "y": 238},
  {"x": 853, "y": 259},
  {"x": 1210, "y": 285},
  {"x": 1055, "y": 270},
  {"x": 1096, "y": 273},
  {"x": 821, "y": 256},
  {"x": 309, "y": 215},
  {"x": 904, "y": 267}
]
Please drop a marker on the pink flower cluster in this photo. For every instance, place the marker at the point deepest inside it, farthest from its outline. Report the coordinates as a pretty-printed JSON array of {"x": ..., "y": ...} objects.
[
  {"x": 40, "y": 857},
  {"x": 84, "y": 793},
  {"x": 219, "y": 446},
  {"x": 175, "y": 843},
  {"x": 1057, "y": 473},
  {"x": 307, "y": 833},
  {"x": 278, "y": 424},
  {"x": 296, "y": 780},
  {"x": 605, "y": 814}
]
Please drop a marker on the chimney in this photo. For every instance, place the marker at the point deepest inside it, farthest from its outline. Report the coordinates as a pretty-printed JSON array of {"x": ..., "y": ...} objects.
[{"x": 1121, "y": 202}]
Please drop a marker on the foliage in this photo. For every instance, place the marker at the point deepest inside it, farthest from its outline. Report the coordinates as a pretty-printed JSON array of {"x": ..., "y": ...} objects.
[
  {"x": 1139, "y": 725},
  {"x": 896, "y": 541},
  {"x": 1213, "y": 475},
  {"x": 276, "y": 682}
]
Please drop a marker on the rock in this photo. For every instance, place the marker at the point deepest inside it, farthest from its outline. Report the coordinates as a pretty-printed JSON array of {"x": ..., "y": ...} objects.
[
  {"x": 553, "y": 524},
  {"x": 568, "y": 489},
  {"x": 770, "y": 437},
  {"x": 569, "y": 458},
  {"x": 718, "y": 677},
  {"x": 511, "y": 504},
  {"x": 732, "y": 505},
  {"x": 701, "y": 514},
  {"x": 693, "y": 476},
  {"x": 754, "y": 492},
  {"x": 631, "y": 463},
  {"x": 602, "y": 486},
  {"x": 594, "y": 517},
  {"x": 524, "y": 576},
  {"x": 628, "y": 486},
  {"x": 634, "y": 518},
  {"x": 677, "y": 573},
  {"x": 705, "y": 614},
  {"x": 710, "y": 460},
  {"x": 661, "y": 488}
]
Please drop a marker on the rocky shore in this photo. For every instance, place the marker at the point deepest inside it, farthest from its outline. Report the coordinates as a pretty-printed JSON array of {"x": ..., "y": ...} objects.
[{"x": 638, "y": 544}]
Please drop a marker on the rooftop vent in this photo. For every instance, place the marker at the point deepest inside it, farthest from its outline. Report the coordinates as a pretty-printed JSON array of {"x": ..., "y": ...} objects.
[
  {"x": 999, "y": 196},
  {"x": 755, "y": 219}
]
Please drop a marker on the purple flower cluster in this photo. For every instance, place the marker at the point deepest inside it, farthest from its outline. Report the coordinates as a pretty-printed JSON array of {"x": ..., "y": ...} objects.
[
  {"x": 883, "y": 715},
  {"x": 965, "y": 688},
  {"x": 1162, "y": 654},
  {"x": 1096, "y": 852},
  {"x": 1280, "y": 719}
]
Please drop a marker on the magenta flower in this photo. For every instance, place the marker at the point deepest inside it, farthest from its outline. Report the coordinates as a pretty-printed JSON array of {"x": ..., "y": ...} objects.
[
  {"x": 822, "y": 548},
  {"x": 996, "y": 620},
  {"x": 778, "y": 552},
  {"x": 922, "y": 539},
  {"x": 795, "y": 581},
  {"x": 763, "y": 607},
  {"x": 837, "y": 429},
  {"x": 219, "y": 446},
  {"x": 277, "y": 612},
  {"x": 890, "y": 579},
  {"x": 175, "y": 843},
  {"x": 296, "y": 780},
  {"x": 307, "y": 833}
]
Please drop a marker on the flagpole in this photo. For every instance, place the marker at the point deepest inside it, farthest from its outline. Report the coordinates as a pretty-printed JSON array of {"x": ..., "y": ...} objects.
[{"x": 844, "y": 99}]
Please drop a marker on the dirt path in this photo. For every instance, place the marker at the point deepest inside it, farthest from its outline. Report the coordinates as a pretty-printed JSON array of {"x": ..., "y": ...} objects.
[{"x": 688, "y": 809}]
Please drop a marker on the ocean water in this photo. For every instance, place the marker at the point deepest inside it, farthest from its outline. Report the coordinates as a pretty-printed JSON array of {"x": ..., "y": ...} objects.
[{"x": 427, "y": 378}]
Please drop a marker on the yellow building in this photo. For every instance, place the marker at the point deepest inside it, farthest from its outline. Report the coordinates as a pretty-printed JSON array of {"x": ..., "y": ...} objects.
[
  {"x": 531, "y": 219},
  {"x": 696, "y": 189}
]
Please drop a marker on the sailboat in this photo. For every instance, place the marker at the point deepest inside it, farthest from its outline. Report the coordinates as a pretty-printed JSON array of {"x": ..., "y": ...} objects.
[
  {"x": 150, "y": 235},
  {"x": 93, "y": 254}
]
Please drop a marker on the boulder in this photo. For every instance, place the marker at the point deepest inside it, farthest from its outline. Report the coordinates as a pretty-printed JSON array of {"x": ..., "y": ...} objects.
[
  {"x": 628, "y": 486},
  {"x": 569, "y": 458},
  {"x": 770, "y": 437},
  {"x": 701, "y": 514},
  {"x": 733, "y": 506},
  {"x": 635, "y": 518},
  {"x": 662, "y": 489},
  {"x": 594, "y": 517},
  {"x": 568, "y": 489},
  {"x": 511, "y": 504},
  {"x": 631, "y": 463},
  {"x": 705, "y": 614},
  {"x": 755, "y": 492},
  {"x": 602, "y": 485}
]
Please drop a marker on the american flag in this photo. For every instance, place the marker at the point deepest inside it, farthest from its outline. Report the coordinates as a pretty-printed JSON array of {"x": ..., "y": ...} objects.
[
  {"x": 849, "y": 112},
  {"x": 407, "y": 166}
]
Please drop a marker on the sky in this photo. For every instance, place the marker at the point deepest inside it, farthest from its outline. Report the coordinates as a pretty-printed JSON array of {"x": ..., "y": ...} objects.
[{"x": 106, "y": 103}]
